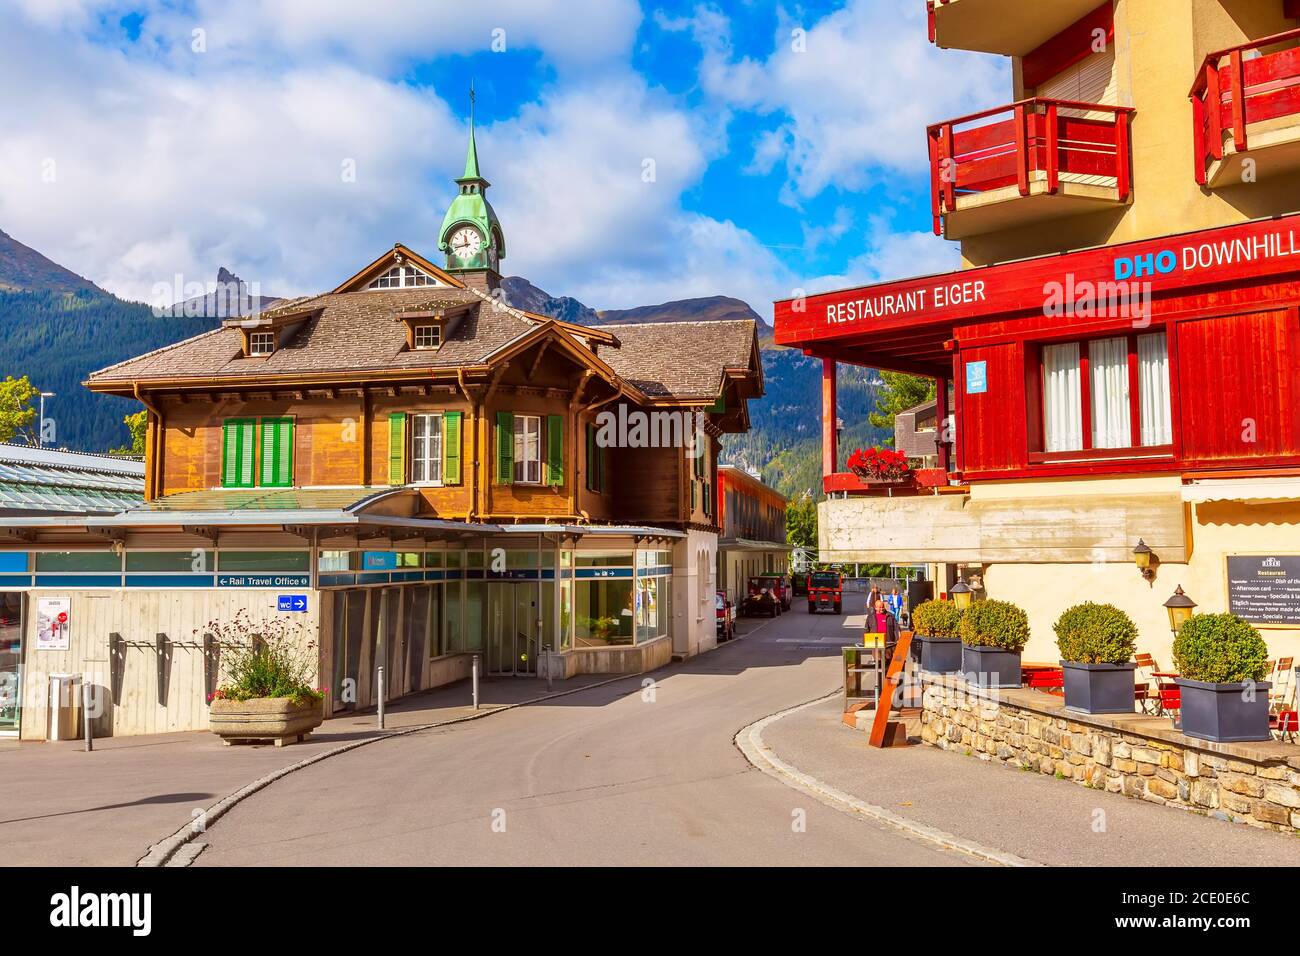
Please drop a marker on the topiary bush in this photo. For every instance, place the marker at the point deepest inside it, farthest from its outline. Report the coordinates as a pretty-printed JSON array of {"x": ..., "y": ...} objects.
[
  {"x": 1220, "y": 649},
  {"x": 936, "y": 619},
  {"x": 1095, "y": 634},
  {"x": 995, "y": 624}
]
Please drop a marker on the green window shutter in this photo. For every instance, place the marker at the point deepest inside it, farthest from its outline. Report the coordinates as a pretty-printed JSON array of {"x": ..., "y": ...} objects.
[
  {"x": 555, "y": 449},
  {"x": 600, "y": 468},
  {"x": 247, "y": 452},
  {"x": 693, "y": 487},
  {"x": 505, "y": 448},
  {"x": 238, "y": 452},
  {"x": 397, "y": 448},
  {"x": 229, "y": 453},
  {"x": 451, "y": 448},
  {"x": 277, "y": 453},
  {"x": 705, "y": 490}
]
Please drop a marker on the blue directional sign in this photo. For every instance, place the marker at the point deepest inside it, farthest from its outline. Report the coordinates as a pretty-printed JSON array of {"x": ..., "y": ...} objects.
[{"x": 291, "y": 602}]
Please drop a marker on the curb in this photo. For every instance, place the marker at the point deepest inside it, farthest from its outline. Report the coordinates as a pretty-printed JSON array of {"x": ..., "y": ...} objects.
[
  {"x": 750, "y": 743},
  {"x": 161, "y": 852}
]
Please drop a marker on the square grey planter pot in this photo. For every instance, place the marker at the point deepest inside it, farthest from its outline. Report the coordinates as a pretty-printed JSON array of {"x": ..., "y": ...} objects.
[
  {"x": 938, "y": 655},
  {"x": 1219, "y": 713},
  {"x": 990, "y": 666},
  {"x": 1100, "y": 688}
]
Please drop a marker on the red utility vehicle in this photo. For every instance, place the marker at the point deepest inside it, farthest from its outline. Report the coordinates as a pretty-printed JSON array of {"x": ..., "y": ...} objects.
[{"x": 826, "y": 592}]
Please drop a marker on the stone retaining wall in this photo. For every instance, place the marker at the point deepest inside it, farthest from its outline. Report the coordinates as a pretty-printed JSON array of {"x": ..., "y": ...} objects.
[{"x": 1136, "y": 755}]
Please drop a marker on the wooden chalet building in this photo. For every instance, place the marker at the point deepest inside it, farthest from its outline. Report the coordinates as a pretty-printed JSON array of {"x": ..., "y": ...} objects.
[
  {"x": 1122, "y": 341},
  {"x": 416, "y": 471}
]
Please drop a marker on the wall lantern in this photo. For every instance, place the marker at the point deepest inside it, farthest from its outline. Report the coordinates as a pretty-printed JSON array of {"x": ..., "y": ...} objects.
[
  {"x": 1180, "y": 609},
  {"x": 1146, "y": 561},
  {"x": 960, "y": 595}
]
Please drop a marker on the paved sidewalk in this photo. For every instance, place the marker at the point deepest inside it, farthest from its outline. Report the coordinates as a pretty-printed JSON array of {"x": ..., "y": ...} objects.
[
  {"x": 61, "y": 806},
  {"x": 1030, "y": 815}
]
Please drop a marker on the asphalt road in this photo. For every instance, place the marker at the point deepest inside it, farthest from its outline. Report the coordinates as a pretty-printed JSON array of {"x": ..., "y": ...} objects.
[{"x": 612, "y": 775}]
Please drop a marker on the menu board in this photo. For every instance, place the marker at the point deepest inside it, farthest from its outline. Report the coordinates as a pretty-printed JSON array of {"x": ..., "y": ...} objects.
[{"x": 1265, "y": 589}]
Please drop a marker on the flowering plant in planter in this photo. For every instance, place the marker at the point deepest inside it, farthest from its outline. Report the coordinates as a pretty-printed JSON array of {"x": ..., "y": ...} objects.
[
  {"x": 265, "y": 660},
  {"x": 879, "y": 464}
]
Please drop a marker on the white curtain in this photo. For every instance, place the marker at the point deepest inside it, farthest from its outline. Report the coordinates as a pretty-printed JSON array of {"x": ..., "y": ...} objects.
[
  {"x": 1062, "y": 406},
  {"x": 1108, "y": 371},
  {"x": 1153, "y": 389}
]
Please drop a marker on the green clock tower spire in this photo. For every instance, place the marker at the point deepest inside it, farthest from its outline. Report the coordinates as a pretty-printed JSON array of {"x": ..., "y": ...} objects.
[{"x": 471, "y": 234}]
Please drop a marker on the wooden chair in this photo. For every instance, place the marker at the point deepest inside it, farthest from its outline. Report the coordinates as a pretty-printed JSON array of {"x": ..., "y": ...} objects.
[{"x": 1147, "y": 691}]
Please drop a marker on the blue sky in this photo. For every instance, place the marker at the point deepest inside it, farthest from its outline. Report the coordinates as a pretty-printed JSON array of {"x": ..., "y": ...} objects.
[{"x": 155, "y": 140}]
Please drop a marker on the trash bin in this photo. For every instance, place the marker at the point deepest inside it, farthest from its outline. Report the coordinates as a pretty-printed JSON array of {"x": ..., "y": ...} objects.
[{"x": 65, "y": 707}]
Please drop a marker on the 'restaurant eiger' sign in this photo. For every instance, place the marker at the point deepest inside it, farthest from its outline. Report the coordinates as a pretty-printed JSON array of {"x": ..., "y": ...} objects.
[{"x": 1264, "y": 589}]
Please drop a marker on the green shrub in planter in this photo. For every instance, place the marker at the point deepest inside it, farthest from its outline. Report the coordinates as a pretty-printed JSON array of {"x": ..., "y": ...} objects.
[
  {"x": 1220, "y": 649},
  {"x": 1095, "y": 634},
  {"x": 936, "y": 619},
  {"x": 995, "y": 624}
]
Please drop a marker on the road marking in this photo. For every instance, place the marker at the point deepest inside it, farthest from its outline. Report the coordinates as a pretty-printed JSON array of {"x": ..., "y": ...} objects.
[{"x": 750, "y": 743}]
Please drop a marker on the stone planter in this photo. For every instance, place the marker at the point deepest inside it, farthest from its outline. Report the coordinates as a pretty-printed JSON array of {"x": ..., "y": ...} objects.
[
  {"x": 1099, "y": 688},
  {"x": 938, "y": 655},
  {"x": 263, "y": 718},
  {"x": 990, "y": 666},
  {"x": 1220, "y": 712}
]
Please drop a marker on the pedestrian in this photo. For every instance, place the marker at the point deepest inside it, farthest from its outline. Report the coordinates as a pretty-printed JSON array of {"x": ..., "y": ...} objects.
[
  {"x": 895, "y": 602},
  {"x": 873, "y": 597},
  {"x": 881, "y": 621}
]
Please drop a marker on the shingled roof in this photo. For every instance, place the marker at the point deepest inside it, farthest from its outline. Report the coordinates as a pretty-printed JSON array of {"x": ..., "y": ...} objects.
[
  {"x": 681, "y": 359},
  {"x": 358, "y": 331}
]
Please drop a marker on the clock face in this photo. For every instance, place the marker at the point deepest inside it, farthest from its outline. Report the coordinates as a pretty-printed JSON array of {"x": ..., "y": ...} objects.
[{"x": 466, "y": 243}]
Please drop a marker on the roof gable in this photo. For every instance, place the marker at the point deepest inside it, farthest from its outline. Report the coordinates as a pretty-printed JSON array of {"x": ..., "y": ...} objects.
[{"x": 398, "y": 255}]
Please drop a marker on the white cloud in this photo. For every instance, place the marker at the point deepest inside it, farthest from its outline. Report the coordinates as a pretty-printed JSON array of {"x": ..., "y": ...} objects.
[{"x": 852, "y": 95}]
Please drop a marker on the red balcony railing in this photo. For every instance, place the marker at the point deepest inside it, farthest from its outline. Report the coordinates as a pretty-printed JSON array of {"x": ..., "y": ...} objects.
[
  {"x": 1009, "y": 145},
  {"x": 1269, "y": 85}
]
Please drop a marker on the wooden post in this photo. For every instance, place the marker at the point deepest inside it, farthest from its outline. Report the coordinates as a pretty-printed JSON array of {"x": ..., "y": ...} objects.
[
  {"x": 941, "y": 420},
  {"x": 830, "y": 442},
  {"x": 1053, "y": 149},
  {"x": 1214, "y": 110},
  {"x": 1238, "y": 102},
  {"x": 1123, "y": 169},
  {"x": 1022, "y": 150}
]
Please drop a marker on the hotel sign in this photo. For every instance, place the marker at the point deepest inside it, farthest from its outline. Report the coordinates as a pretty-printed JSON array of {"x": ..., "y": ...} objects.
[
  {"x": 1255, "y": 250},
  {"x": 1265, "y": 589}
]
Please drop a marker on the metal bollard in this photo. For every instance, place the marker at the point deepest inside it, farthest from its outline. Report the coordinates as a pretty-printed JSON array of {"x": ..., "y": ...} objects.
[
  {"x": 475, "y": 681},
  {"x": 85, "y": 713},
  {"x": 381, "y": 696}
]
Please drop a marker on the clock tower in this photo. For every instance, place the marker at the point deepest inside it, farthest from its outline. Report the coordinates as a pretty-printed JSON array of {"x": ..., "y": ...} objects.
[{"x": 471, "y": 234}]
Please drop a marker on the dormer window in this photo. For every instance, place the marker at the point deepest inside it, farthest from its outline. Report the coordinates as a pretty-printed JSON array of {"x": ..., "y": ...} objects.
[
  {"x": 402, "y": 277},
  {"x": 427, "y": 336},
  {"x": 261, "y": 343}
]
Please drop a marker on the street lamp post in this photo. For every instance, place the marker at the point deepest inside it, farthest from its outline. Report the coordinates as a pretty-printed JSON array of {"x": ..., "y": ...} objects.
[
  {"x": 960, "y": 594},
  {"x": 40, "y": 423}
]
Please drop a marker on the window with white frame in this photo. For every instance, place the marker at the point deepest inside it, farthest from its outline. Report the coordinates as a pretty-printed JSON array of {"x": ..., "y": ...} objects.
[
  {"x": 528, "y": 449},
  {"x": 1107, "y": 393},
  {"x": 426, "y": 449},
  {"x": 428, "y": 336},
  {"x": 402, "y": 277},
  {"x": 261, "y": 343}
]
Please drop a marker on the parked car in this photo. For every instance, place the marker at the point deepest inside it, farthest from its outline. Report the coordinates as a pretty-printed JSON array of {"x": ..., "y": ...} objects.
[
  {"x": 761, "y": 597},
  {"x": 826, "y": 592},
  {"x": 726, "y": 614}
]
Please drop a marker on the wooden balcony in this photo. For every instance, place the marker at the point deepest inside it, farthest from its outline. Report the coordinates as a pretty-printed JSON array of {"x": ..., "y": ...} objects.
[
  {"x": 1246, "y": 106},
  {"x": 1008, "y": 27},
  {"x": 1030, "y": 161},
  {"x": 923, "y": 481}
]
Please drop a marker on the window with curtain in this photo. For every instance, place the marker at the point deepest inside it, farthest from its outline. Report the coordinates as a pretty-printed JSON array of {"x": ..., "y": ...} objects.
[
  {"x": 1122, "y": 382},
  {"x": 528, "y": 449},
  {"x": 1153, "y": 389},
  {"x": 1062, "y": 417},
  {"x": 1108, "y": 393}
]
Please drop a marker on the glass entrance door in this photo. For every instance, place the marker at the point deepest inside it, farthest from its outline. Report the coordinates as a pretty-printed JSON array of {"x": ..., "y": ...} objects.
[
  {"x": 512, "y": 628},
  {"x": 11, "y": 660}
]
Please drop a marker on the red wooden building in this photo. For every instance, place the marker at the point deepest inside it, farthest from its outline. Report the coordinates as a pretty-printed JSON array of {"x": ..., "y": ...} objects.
[{"x": 1122, "y": 339}]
